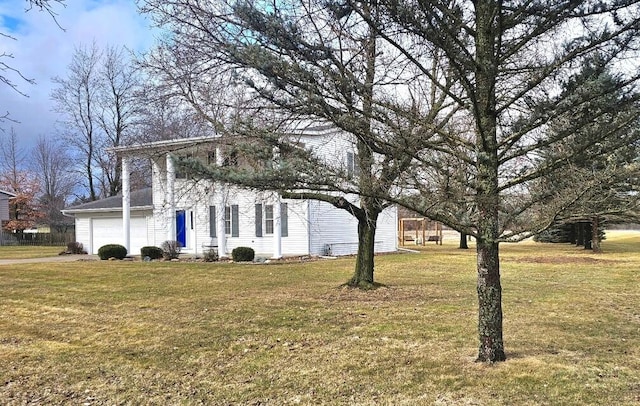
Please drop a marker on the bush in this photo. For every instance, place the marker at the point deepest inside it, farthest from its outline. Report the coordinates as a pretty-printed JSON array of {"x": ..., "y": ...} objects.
[
  {"x": 170, "y": 249},
  {"x": 75, "y": 248},
  {"x": 210, "y": 255},
  {"x": 151, "y": 252},
  {"x": 243, "y": 254},
  {"x": 112, "y": 251}
]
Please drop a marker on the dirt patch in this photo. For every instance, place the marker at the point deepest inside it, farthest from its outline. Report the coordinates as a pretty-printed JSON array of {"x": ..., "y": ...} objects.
[
  {"x": 382, "y": 293},
  {"x": 561, "y": 260}
]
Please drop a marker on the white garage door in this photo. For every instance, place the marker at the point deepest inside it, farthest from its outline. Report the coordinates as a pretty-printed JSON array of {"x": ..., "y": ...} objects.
[{"x": 108, "y": 230}]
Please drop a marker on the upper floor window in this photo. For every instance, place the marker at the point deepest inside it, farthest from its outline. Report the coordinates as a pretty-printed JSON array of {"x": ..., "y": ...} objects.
[
  {"x": 180, "y": 172},
  {"x": 211, "y": 157},
  {"x": 231, "y": 159},
  {"x": 353, "y": 169}
]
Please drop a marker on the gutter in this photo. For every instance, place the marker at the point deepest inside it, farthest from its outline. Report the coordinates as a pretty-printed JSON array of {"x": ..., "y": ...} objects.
[{"x": 71, "y": 212}]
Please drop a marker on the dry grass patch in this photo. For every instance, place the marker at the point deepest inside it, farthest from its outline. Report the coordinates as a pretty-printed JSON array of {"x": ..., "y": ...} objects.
[
  {"x": 193, "y": 333},
  {"x": 23, "y": 252}
]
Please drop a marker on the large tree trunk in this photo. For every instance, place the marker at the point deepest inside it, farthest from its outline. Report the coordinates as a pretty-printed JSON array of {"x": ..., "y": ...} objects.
[
  {"x": 587, "y": 235},
  {"x": 580, "y": 234},
  {"x": 490, "y": 304},
  {"x": 463, "y": 242},
  {"x": 595, "y": 237},
  {"x": 363, "y": 275},
  {"x": 572, "y": 233},
  {"x": 487, "y": 190}
]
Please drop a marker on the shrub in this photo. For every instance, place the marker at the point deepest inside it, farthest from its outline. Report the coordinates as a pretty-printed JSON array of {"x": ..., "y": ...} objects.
[
  {"x": 170, "y": 249},
  {"x": 75, "y": 248},
  {"x": 210, "y": 255},
  {"x": 151, "y": 252},
  {"x": 112, "y": 251},
  {"x": 243, "y": 254}
]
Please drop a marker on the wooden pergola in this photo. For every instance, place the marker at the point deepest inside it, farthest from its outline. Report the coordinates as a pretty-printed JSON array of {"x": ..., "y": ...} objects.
[{"x": 425, "y": 230}]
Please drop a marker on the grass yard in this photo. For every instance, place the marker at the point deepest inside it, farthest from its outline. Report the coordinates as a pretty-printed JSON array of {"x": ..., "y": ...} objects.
[
  {"x": 23, "y": 252},
  {"x": 107, "y": 332}
]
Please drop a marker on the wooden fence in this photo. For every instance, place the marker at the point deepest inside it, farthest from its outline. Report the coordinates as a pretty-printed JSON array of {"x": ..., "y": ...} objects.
[{"x": 49, "y": 239}]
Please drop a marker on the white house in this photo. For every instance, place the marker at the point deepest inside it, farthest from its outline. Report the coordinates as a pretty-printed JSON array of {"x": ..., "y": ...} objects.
[{"x": 203, "y": 214}]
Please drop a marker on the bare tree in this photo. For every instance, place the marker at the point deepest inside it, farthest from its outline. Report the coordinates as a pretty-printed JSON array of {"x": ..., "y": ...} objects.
[
  {"x": 24, "y": 210},
  {"x": 52, "y": 162},
  {"x": 118, "y": 108},
  {"x": 97, "y": 100},
  {"x": 13, "y": 157},
  {"x": 76, "y": 99}
]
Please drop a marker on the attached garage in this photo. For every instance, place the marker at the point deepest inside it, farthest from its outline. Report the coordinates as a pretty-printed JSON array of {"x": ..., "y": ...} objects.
[
  {"x": 99, "y": 223},
  {"x": 108, "y": 230}
]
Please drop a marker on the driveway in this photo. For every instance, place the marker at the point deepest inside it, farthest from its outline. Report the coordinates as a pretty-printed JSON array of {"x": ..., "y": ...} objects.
[{"x": 57, "y": 258}]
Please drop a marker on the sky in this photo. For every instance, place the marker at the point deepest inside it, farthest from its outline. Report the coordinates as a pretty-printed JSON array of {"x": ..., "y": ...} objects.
[{"x": 42, "y": 50}]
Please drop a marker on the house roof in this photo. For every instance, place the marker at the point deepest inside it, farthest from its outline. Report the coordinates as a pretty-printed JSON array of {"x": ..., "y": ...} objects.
[
  {"x": 299, "y": 127},
  {"x": 4, "y": 192},
  {"x": 139, "y": 199}
]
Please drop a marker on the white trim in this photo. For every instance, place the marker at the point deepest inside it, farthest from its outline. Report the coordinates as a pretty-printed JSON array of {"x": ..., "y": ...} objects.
[
  {"x": 277, "y": 230},
  {"x": 126, "y": 205},
  {"x": 104, "y": 210},
  {"x": 171, "y": 199}
]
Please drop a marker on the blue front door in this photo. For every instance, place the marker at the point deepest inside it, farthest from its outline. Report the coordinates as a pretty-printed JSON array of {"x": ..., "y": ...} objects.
[{"x": 181, "y": 227}]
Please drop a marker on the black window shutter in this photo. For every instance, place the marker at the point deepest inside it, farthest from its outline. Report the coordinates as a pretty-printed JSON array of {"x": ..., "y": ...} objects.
[
  {"x": 350, "y": 165},
  {"x": 284, "y": 220},
  {"x": 212, "y": 221},
  {"x": 235, "y": 227},
  {"x": 258, "y": 220}
]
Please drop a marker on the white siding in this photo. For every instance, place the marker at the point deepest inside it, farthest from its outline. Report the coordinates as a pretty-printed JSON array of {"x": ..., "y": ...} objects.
[
  {"x": 295, "y": 243},
  {"x": 335, "y": 231},
  {"x": 83, "y": 231},
  {"x": 4, "y": 208},
  {"x": 387, "y": 230},
  {"x": 331, "y": 146}
]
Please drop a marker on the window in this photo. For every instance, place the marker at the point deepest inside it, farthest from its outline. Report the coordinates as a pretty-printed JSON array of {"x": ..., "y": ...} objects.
[
  {"x": 265, "y": 220},
  {"x": 353, "y": 170},
  {"x": 268, "y": 219},
  {"x": 231, "y": 159},
  {"x": 231, "y": 217},
  {"x": 227, "y": 220},
  {"x": 181, "y": 173},
  {"x": 211, "y": 157}
]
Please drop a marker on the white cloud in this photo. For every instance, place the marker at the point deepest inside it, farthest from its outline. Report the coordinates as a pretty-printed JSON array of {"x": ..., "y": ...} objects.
[{"x": 42, "y": 50}]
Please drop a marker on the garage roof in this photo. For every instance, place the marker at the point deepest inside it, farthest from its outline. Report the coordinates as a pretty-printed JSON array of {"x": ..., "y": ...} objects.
[{"x": 140, "y": 200}]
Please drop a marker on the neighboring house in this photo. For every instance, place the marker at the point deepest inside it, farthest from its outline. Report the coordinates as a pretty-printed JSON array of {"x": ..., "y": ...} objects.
[
  {"x": 4, "y": 212},
  {"x": 206, "y": 214},
  {"x": 4, "y": 205}
]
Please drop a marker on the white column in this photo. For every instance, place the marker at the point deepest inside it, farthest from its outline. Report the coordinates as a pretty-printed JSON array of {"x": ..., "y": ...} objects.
[
  {"x": 171, "y": 199},
  {"x": 277, "y": 230},
  {"x": 221, "y": 203},
  {"x": 126, "y": 205}
]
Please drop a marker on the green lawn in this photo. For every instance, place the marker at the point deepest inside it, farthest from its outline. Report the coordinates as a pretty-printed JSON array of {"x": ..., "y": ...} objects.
[
  {"x": 22, "y": 252},
  {"x": 109, "y": 332}
]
